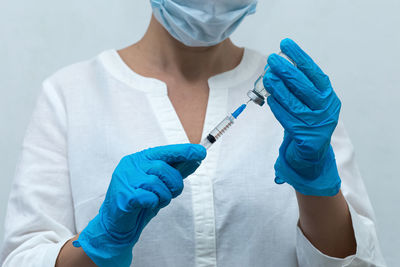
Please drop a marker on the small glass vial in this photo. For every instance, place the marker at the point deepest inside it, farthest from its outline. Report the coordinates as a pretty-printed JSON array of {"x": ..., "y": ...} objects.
[{"x": 258, "y": 94}]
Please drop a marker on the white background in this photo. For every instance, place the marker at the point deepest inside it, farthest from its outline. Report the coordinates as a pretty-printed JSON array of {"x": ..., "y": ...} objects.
[{"x": 356, "y": 42}]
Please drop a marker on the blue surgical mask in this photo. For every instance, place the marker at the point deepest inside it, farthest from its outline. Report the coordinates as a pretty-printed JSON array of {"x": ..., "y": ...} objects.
[{"x": 201, "y": 22}]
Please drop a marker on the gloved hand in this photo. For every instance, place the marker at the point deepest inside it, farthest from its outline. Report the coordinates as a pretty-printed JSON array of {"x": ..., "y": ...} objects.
[
  {"x": 141, "y": 185},
  {"x": 304, "y": 102}
]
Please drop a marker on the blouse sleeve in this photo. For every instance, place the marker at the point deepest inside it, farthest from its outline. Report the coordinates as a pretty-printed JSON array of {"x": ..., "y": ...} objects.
[
  {"x": 368, "y": 252},
  {"x": 40, "y": 217}
]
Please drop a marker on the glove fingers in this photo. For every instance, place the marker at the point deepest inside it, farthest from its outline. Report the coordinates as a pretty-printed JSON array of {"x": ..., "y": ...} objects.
[
  {"x": 153, "y": 184},
  {"x": 287, "y": 120},
  {"x": 143, "y": 199},
  {"x": 305, "y": 63},
  {"x": 168, "y": 175},
  {"x": 186, "y": 168},
  {"x": 283, "y": 95},
  {"x": 176, "y": 153},
  {"x": 296, "y": 81},
  {"x": 143, "y": 206}
]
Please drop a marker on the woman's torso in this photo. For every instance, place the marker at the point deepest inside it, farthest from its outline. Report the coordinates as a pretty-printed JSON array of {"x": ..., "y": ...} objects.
[{"x": 231, "y": 213}]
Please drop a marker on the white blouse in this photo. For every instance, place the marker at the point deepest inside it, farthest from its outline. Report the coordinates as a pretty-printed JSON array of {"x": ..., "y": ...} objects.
[{"x": 231, "y": 213}]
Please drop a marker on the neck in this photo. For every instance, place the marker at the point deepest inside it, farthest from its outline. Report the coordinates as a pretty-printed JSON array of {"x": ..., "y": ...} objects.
[{"x": 158, "y": 52}]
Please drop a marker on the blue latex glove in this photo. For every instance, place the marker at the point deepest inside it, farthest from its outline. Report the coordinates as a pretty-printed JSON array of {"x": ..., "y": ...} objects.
[
  {"x": 141, "y": 185},
  {"x": 304, "y": 102}
]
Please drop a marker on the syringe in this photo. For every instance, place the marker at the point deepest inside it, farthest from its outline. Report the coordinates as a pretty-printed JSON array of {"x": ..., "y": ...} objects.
[
  {"x": 257, "y": 95},
  {"x": 186, "y": 168},
  {"x": 221, "y": 128}
]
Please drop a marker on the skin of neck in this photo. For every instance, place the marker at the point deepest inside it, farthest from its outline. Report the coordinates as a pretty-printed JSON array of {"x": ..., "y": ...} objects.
[{"x": 158, "y": 53}]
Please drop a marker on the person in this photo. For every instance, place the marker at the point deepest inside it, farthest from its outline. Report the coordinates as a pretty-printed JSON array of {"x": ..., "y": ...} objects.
[{"x": 96, "y": 182}]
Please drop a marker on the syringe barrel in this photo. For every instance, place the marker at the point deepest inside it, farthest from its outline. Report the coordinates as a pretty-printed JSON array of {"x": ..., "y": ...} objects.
[
  {"x": 206, "y": 143},
  {"x": 186, "y": 168},
  {"x": 218, "y": 131}
]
